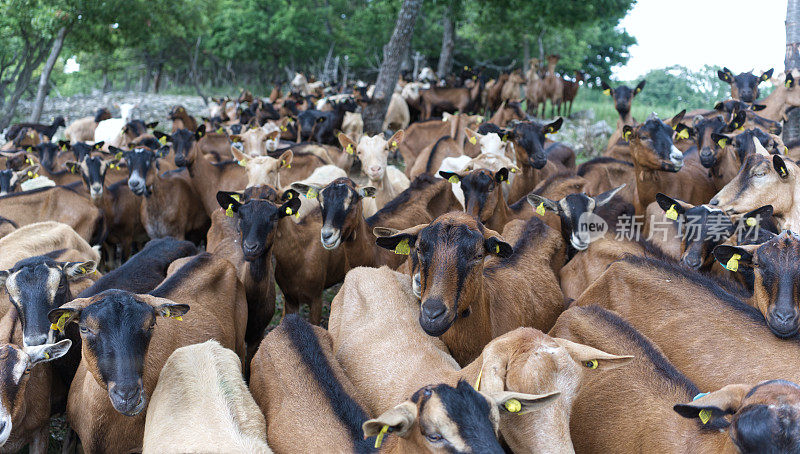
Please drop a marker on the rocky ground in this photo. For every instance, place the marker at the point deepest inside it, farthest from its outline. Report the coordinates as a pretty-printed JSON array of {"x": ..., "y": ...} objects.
[{"x": 585, "y": 135}]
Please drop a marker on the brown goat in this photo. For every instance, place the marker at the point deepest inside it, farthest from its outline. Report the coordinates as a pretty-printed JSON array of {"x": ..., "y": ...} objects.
[
  {"x": 553, "y": 86},
  {"x": 658, "y": 386},
  {"x": 523, "y": 360},
  {"x": 450, "y": 99},
  {"x": 115, "y": 383},
  {"x": 465, "y": 299},
  {"x": 571, "y": 91},
  {"x": 181, "y": 119}
]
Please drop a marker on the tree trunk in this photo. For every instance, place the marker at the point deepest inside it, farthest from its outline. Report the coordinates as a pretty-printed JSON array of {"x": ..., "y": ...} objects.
[
  {"x": 526, "y": 53},
  {"x": 448, "y": 43},
  {"x": 159, "y": 73},
  {"x": 44, "y": 79},
  {"x": 393, "y": 53},
  {"x": 791, "y": 127}
]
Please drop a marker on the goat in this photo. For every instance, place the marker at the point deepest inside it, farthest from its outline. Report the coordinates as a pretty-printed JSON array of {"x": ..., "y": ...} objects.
[
  {"x": 110, "y": 129},
  {"x": 45, "y": 130},
  {"x": 744, "y": 87},
  {"x": 82, "y": 129}
]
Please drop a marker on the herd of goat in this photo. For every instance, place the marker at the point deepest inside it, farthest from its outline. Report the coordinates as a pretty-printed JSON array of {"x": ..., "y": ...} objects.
[{"x": 479, "y": 309}]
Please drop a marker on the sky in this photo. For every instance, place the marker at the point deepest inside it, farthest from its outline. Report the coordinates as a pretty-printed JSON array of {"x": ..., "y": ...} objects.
[{"x": 740, "y": 34}]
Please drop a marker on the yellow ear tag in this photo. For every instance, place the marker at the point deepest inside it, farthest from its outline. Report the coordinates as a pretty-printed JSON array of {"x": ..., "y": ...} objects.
[
  {"x": 29, "y": 161},
  {"x": 592, "y": 364},
  {"x": 59, "y": 324},
  {"x": 513, "y": 406},
  {"x": 787, "y": 84},
  {"x": 31, "y": 134},
  {"x": 785, "y": 150},
  {"x": 540, "y": 209},
  {"x": 480, "y": 120},
  {"x": 30, "y": 174},
  {"x": 453, "y": 179},
  {"x": 607, "y": 92},
  {"x": 379, "y": 440},
  {"x": 283, "y": 128},
  {"x": 242, "y": 163},
  {"x": 289, "y": 196},
  {"x": 513, "y": 170},
  {"x": 751, "y": 222},
  {"x": 473, "y": 140},
  {"x": 63, "y": 148},
  {"x": 783, "y": 172},
  {"x": 683, "y": 134},
  {"x": 705, "y": 416},
  {"x": 229, "y": 210},
  {"x": 402, "y": 248},
  {"x": 46, "y": 355},
  {"x": 478, "y": 381},
  {"x": 733, "y": 263},
  {"x": 289, "y": 211},
  {"x": 496, "y": 248},
  {"x": 219, "y": 130},
  {"x": 349, "y": 148},
  {"x": 168, "y": 314},
  {"x": 118, "y": 155},
  {"x": 236, "y": 197},
  {"x": 163, "y": 140},
  {"x": 394, "y": 144},
  {"x": 672, "y": 213},
  {"x": 311, "y": 194}
]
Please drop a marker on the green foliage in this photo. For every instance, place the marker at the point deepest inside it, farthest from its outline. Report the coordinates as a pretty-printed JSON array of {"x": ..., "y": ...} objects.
[{"x": 679, "y": 87}]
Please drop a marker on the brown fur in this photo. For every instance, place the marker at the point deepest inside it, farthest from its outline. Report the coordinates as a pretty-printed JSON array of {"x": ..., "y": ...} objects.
[
  {"x": 449, "y": 99},
  {"x": 54, "y": 204},
  {"x": 217, "y": 311},
  {"x": 207, "y": 178}
]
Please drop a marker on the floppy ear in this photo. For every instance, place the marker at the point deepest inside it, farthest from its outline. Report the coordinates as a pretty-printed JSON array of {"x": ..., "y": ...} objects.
[
  {"x": 766, "y": 76},
  {"x": 607, "y": 90},
  {"x": 758, "y": 215},
  {"x": 238, "y": 155},
  {"x": 47, "y": 352},
  {"x": 99, "y": 145},
  {"x": 61, "y": 316},
  {"x": 396, "y": 140},
  {"x": 78, "y": 270},
  {"x": 757, "y": 107},
  {"x": 117, "y": 152},
  {"x": 347, "y": 143},
  {"x": 780, "y": 166},
  {"x": 172, "y": 310},
  {"x": 592, "y": 358},
  {"x": 201, "y": 131},
  {"x": 683, "y": 132},
  {"x": 272, "y": 135},
  {"x": 627, "y": 132},
  {"x": 366, "y": 191},
  {"x": 672, "y": 207},
  {"x": 537, "y": 201},
  {"x": 554, "y": 126},
  {"x": 289, "y": 207},
  {"x": 726, "y": 401},
  {"x": 720, "y": 139},
  {"x": 399, "y": 421},
  {"x": 162, "y": 138},
  {"x": 494, "y": 245},
  {"x": 72, "y": 167},
  {"x": 732, "y": 256},
  {"x": 639, "y": 87},
  {"x": 605, "y": 197},
  {"x": 229, "y": 200},
  {"x": 521, "y": 403},
  {"x": 725, "y": 75}
]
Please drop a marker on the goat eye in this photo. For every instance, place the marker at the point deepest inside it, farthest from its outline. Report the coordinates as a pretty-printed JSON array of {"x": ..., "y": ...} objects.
[
  {"x": 433, "y": 437},
  {"x": 27, "y": 371}
]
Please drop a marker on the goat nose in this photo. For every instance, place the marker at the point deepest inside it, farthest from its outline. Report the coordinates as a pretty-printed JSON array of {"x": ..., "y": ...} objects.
[
  {"x": 375, "y": 168},
  {"x": 125, "y": 393},
  {"x": 432, "y": 311},
  {"x": 783, "y": 317},
  {"x": 249, "y": 245},
  {"x": 35, "y": 339}
]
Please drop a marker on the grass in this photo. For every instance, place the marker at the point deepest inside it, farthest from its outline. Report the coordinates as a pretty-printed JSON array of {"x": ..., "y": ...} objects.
[{"x": 603, "y": 107}]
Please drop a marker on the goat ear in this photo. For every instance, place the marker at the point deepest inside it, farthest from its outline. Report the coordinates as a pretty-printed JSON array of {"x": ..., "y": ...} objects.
[
  {"x": 780, "y": 166},
  {"x": 672, "y": 207},
  {"x": 759, "y": 214},
  {"x": 399, "y": 421},
  {"x": 639, "y": 87},
  {"x": 606, "y": 197},
  {"x": 676, "y": 120},
  {"x": 201, "y": 131},
  {"x": 452, "y": 177},
  {"x": 720, "y": 106},
  {"x": 737, "y": 121},
  {"x": 171, "y": 310},
  {"x": 151, "y": 125},
  {"x": 64, "y": 145},
  {"x": 592, "y": 358},
  {"x": 286, "y": 158},
  {"x": 310, "y": 191},
  {"x": 63, "y": 315},
  {"x": 289, "y": 207},
  {"x": 719, "y": 403},
  {"x": 683, "y": 132},
  {"x": 725, "y": 75},
  {"x": 554, "y": 126},
  {"x": 162, "y": 138},
  {"x": 720, "y": 139},
  {"x": 607, "y": 90},
  {"x": 501, "y": 175},
  {"x": 398, "y": 242},
  {"x": 757, "y": 107},
  {"x": 538, "y": 201},
  {"x": 71, "y": 166},
  {"x": 238, "y": 155},
  {"x": 78, "y": 270},
  {"x": 347, "y": 143},
  {"x": 767, "y": 75},
  {"x": 229, "y": 200},
  {"x": 789, "y": 82},
  {"x": 366, "y": 191},
  {"x": 732, "y": 256},
  {"x": 99, "y": 145},
  {"x": 521, "y": 403},
  {"x": 48, "y": 352},
  {"x": 396, "y": 140},
  {"x": 163, "y": 151},
  {"x": 627, "y": 132},
  {"x": 498, "y": 247}
]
